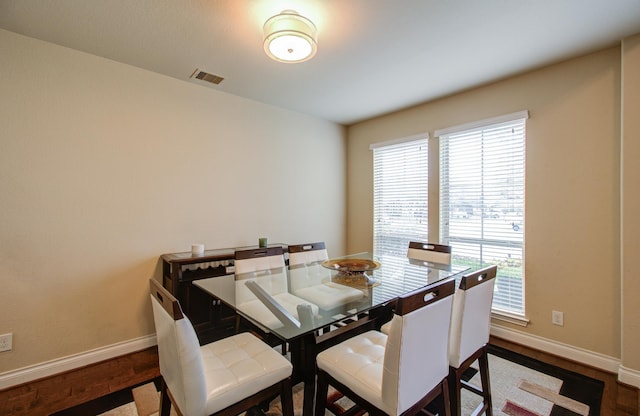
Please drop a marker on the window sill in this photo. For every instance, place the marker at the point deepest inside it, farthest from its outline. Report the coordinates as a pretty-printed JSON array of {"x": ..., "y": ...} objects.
[{"x": 509, "y": 317}]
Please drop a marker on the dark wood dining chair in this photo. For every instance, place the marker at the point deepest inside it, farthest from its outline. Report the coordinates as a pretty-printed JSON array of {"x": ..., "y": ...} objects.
[
  {"x": 399, "y": 374},
  {"x": 225, "y": 377},
  {"x": 430, "y": 252},
  {"x": 469, "y": 335}
]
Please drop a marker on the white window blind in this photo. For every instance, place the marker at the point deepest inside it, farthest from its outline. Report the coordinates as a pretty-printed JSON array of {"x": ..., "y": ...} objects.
[
  {"x": 482, "y": 201},
  {"x": 400, "y": 180}
]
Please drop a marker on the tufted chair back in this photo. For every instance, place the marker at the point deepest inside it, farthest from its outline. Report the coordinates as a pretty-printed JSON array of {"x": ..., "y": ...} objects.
[
  {"x": 435, "y": 253},
  {"x": 181, "y": 363},
  {"x": 471, "y": 316},
  {"x": 417, "y": 346}
]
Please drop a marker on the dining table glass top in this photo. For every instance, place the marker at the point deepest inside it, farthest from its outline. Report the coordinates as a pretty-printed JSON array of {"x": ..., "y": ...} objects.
[{"x": 295, "y": 300}]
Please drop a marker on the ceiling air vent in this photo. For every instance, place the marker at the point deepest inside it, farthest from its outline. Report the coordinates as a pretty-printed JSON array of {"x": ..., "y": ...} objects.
[{"x": 205, "y": 76}]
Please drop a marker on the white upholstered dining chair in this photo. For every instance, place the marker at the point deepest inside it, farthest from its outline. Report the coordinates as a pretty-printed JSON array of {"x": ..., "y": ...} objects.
[
  {"x": 311, "y": 281},
  {"x": 308, "y": 253},
  {"x": 253, "y": 260},
  {"x": 266, "y": 267},
  {"x": 226, "y": 377},
  {"x": 398, "y": 374},
  {"x": 469, "y": 335},
  {"x": 430, "y": 252}
]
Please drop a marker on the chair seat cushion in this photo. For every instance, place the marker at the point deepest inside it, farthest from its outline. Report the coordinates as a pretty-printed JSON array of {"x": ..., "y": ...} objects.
[
  {"x": 290, "y": 303},
  {"x": 239, "y": 366},
  {"x": 329, "y": 295},
  {"x": 254, "y": 308},
  {"x": 267, "y": 320},
  {"x": 358, "y": 363}
]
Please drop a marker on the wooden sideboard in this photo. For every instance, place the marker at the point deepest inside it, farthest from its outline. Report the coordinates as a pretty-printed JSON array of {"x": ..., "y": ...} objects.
[{"x": 210, "y": 318}]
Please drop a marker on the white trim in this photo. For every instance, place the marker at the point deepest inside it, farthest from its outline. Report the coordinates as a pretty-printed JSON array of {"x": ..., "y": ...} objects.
[
  {"x": 399, "y": 141},
  {"x": 482, "y": 123},
  {"x": 509, "y": 317},
  {"x": 593, "y": 359},
  {"x": 629, "y": 376},
  {"x": 59, "y": 365}
]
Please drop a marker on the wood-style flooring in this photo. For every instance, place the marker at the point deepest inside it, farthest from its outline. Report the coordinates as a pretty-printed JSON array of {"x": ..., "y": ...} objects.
[{"x": 63, "y": 391}]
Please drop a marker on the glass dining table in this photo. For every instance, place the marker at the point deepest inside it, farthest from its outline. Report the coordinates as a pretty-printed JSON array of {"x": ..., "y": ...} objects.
[{"x": 314, "y": 306}]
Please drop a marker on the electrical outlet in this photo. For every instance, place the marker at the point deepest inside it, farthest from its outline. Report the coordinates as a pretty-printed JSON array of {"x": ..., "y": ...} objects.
[
  {"x": 6, "y": 342},
  {"x": 557, "y": 318}
]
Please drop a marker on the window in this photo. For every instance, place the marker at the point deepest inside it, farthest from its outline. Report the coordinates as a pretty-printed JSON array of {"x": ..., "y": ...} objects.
[
  {"x": 482, "y": 201},
  {"x": 399, "y": 194}
]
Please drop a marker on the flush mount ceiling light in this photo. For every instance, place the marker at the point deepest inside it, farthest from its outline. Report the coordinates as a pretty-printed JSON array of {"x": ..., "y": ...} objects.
[{"x": 289, "y": 37}]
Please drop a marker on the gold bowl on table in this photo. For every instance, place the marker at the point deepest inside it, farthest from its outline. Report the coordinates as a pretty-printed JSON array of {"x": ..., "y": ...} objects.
[{"x": 352, "y": 272}]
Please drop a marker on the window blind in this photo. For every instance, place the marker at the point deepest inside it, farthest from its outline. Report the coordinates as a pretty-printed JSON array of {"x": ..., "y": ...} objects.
[
  {"x": 400, "y": 180},
  {"x": 482, "y": 201}
]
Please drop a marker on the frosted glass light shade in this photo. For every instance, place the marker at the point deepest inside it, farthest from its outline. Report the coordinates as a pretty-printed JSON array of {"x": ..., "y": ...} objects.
[{"x": 289, "y": 37}]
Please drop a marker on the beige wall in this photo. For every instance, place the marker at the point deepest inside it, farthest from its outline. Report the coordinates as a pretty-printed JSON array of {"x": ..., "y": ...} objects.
[
  {"x": 572, "y": 235},
  {"x": 631, "y": 202},
  {"x": 104, "y": 167}
]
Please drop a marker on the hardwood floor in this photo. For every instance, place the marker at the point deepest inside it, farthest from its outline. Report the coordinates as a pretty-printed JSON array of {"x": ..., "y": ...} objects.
[
  {"x": 62, "y": 391},
  {"x": 52, "y": 394}
]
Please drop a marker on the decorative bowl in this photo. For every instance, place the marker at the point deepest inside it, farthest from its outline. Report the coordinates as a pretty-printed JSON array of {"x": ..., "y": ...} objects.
[
  {"x": 349, "y": 266},
  {"x": 352, "y": 272}
]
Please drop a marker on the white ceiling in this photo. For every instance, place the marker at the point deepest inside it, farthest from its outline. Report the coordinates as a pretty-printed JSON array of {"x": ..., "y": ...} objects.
[{"x": 374, "y": 56}]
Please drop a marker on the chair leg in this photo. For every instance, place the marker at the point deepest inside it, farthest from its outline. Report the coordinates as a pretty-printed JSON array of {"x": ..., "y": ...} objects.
[
  {"x": 456, "y": 384},
  {"x": 165, "y": 400},
  {"x": 446, "y": 399},
  {"x": 286, "y": 397},
  {"x": 483, "y": 364},
  {"x": 322, "y": 389},
  {"x": 454, "y": 387}
]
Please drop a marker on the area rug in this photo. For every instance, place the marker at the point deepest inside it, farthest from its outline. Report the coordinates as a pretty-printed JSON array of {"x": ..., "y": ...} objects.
[{"x": 520, "y": 386}]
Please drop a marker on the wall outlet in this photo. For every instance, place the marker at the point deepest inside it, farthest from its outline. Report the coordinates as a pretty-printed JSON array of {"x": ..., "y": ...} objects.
[
  {"x": 557, "y": 318},
  {"x": 6, "y": 342}
]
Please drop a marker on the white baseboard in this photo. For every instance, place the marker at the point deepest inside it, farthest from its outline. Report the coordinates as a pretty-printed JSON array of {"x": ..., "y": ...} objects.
[
  {"x": 629, "y": 376},
  {"x": 48, "y": 368},
  {"x": 612, "y": 365},
  {"x": 593, "y": 359}
]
